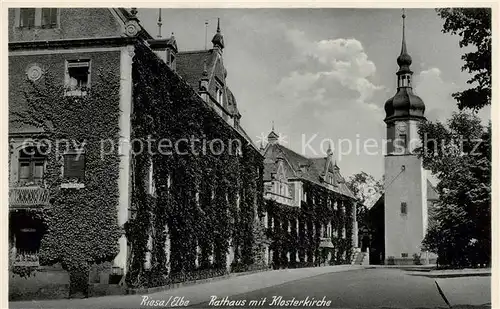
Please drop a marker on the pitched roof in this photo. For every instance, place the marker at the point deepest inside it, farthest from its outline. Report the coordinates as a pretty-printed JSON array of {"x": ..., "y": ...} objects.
[
  {"x": 190, "y": 65},
  {"x": 432, "y": 194},
  {"x": 301, "y": 167}
]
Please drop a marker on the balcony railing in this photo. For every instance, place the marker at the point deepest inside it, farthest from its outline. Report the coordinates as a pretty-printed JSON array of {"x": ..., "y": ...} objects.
[
  {"x": 26, "y": 259},
  {"x": 22, "y": 197},
  {"x": 285, "y": 200}
]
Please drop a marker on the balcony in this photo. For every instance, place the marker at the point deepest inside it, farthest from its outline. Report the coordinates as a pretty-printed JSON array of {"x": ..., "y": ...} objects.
[
  {"x": 25, "y": 259},
  {"x": 28, "y": 196},
  {"x": 326, "y": 242},
  {"x": 285, "y": 200}
]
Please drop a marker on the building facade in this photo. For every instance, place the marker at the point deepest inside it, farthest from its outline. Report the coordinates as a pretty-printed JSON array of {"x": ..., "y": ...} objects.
[
  {"x": 77, "y": 110},
  {"x": 311, "y": 213}
]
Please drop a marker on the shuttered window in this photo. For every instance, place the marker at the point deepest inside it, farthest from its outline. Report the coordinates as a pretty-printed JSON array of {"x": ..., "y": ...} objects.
[
  {"x": 74, "y": 166},
  {"x": 31, "y": 166}
]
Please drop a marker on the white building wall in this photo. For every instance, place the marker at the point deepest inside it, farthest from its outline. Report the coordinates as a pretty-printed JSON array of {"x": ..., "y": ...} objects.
[
  {"x": 404, "y": 182},
  {"x": 126, "y": 56}
]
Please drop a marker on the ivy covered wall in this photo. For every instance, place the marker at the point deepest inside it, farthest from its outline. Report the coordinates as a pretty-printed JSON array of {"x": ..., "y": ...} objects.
[
  {"x": 204, "y": 198},
  {"x": 292, "y": 248},
  {"x": 82, "y": 225}
]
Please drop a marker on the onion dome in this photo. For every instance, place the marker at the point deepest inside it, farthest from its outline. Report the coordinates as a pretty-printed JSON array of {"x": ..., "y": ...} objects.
[
  {"x": 404, "y": 104},
  {"x": 218, "y": 39}
]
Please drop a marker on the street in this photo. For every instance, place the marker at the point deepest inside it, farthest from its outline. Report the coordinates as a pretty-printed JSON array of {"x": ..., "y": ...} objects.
[
  {"x": 357, "y": 289},
  {"x": 343, "y": 286}
]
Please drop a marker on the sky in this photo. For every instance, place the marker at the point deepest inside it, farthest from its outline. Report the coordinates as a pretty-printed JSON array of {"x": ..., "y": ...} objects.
[{"x": 323, "y": 75}]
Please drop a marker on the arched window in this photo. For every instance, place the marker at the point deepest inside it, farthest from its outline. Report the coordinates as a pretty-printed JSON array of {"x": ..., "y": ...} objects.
[{"x": 31, "y": 165}]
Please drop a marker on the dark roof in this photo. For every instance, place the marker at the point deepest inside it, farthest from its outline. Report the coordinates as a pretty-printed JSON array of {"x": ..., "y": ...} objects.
[
  {"x": 232, "y": 106},
  {"x": 404, "y": 104},
  {"x": 190, "y": 65},
  {"x": 301, "y": 167}
]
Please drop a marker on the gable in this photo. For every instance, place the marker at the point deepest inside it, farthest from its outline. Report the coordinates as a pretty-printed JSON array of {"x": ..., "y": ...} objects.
[
  {"x": 280, "y": 171},
  {"x": 309, "y": 169}
]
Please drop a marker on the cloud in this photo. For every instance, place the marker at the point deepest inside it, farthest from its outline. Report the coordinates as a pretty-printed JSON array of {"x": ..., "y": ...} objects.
[
  {"x": 436, "y": 93},
  {"x": 335, "y": 70}
]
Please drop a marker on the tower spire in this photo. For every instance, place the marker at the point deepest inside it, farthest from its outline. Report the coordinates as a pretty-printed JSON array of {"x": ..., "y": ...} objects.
[
  {"x": 218, "y": 25},
  {"x": 159, "y": 23},
  {"x": 404, "y": 60},
  {"x": 403, "y": 43}
]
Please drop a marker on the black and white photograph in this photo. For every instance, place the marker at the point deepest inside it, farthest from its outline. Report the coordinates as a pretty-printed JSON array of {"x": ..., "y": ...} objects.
[{"x": 249, "y": 157}]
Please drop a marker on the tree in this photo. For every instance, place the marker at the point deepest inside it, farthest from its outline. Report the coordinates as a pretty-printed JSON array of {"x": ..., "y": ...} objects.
[
  {"x": 367, "y": 191},
  {"x": 459, "y": 155},
  {"x": 474, "y": 27}
]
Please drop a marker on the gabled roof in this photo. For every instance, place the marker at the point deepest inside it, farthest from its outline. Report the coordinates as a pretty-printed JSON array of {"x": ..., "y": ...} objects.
[
  {"x": 190, "y": 65},
  {"x": 432, "y": 195},
  {"x": 301, "y": 167}
]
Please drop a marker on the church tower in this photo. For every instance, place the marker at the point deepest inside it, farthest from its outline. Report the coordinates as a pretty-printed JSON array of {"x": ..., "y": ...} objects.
[{"x": 405, "y": 209}]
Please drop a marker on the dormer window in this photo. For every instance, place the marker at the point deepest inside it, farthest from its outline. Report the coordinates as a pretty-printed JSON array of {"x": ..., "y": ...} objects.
[
  {"x": 330, "y": 179},
  {"x": 218, "y": 93},
  {"x": 171, "y": 59}
]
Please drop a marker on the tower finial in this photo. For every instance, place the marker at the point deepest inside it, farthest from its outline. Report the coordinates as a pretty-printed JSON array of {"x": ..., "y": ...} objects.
[
  {"x": 218, "y": 39},
  {"x": 159, "y": 23},
  {"x": 206, "y": 33},
  {"x": 403, "y": 44},
  {"x": 404, "y": 60},
  {"x": 272, "y": 126},
  {"x": 205, "y": 72}
]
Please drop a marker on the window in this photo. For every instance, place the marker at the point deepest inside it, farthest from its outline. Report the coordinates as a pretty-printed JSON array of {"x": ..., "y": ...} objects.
[
  {"x": 31, "y": 166},
  {"x": 402, "y": 140},
  {"x": 404, "y": 209},
  {"x": 218, "y": 93},
  {"x": 77, "y": 77},
  {"x": 49, "y": 18},
  {"x": 172, "y": 61},
  {"x": 331, "y": 179},
  {"x": 151, "y": 182},
  {"x": 74, "y": 166},
  {"x": 27, "y": 18}
]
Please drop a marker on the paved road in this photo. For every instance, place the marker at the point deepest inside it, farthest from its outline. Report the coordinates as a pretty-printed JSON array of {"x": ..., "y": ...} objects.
[
  {"x": 472, "y": 290},
  {"x": 344, "y": 286},
  {"x": 370, "y": 288}
]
